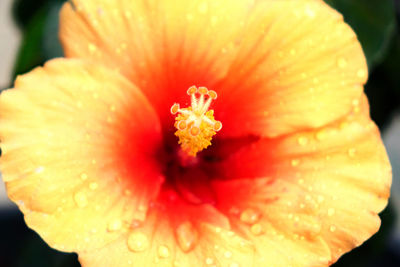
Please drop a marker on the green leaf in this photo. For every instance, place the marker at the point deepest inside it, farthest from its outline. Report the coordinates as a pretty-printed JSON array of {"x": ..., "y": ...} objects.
[
  {"x": 40, "y": 38},
  {"x": 374, "y": 22},
  {"x": 29, "y": 54},
  {"x": 51, "y": 46}
]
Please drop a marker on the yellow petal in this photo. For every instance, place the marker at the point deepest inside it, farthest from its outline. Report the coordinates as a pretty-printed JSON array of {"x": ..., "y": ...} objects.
[
  {"x": 72, "y": 150},
  {"x": 299, "y": 66},
  {"x": 160, "y": 243},
  {"x": 277, "y": 66},
  {"x": 317, "y": 194}
]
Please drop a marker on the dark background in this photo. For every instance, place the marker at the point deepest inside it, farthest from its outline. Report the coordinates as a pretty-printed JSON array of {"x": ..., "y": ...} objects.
[{"x": 377, "y": 24}]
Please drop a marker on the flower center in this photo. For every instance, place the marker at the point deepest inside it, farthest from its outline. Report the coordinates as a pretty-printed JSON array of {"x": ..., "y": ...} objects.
[{"x": 196, "y": 124}]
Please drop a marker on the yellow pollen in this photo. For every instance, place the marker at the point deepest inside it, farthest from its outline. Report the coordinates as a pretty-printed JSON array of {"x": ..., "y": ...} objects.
[{"x": 196, "y": 124}]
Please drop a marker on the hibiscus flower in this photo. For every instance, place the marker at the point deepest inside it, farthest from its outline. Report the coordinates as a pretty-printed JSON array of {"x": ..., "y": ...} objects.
[{"x": 269, "y": 157}]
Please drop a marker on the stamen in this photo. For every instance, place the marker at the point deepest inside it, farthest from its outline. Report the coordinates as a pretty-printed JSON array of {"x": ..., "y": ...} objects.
[
  {"x": 196, "y": 124},
  {"x": 174, "y": 108}
]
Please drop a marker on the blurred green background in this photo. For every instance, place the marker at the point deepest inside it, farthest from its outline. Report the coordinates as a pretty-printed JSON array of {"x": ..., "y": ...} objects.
[{"x": 376, "y": 23}]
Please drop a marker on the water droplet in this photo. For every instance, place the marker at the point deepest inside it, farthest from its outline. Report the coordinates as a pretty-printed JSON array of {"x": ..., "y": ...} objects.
[
  {"x": 295, "y": 162},
  {"x": 234, "y": 210},
  {"x": 80, "y": 199},
  {"x": 331, "y": 212},
  {"x": 361, "y": 73},
  {"x": 332, "y": 228},
  {"x": 249, "y": 216},
  {"x": 342, "y": 62},
  {"x": 234, "y": 264},
  {"x": 189, "y": 16},
  {"x": 310, "y": 12},
  {"x": 320, "y": 135},
  {"x": 256, "y": 229},
  {"x": 128, "y": 14},
  {"x": 163, "y": 252},
  {"x": 302, "y": 141},
  {"x": 92, "y": 48},
  {"x": 228, "y": 254},
  {"x": 136, "y": 223},
  {"x": 352, "y": 152},
  {"x": 186, "y": 236},
  {"x": 203, "y": 7},
  {"x": 142, "y": 208},
  {"x": 93, "y": 186},
  {"x": 127, "y": 192},
  {"x": 39, "y": 169},
  {"x": 138, "y": 242},
  {"x": 84, "y": 176},
  {"x": 114, "y": 225},
  {"x": 209, "y": 261}
]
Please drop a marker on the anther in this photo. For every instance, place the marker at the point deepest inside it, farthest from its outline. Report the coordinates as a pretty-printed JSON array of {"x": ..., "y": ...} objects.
[
  {"x": 203, "y": 90},
  {"x": 182, "y": 125},
  {"x": 217, "y": 126},
  {"x": 192, "y": 90},
  {"x": 174, "y": 108},
  {"x": 194, "y": 130},
  {"x": 196, "y": 124},
  {"x": 212, "y": 94}
]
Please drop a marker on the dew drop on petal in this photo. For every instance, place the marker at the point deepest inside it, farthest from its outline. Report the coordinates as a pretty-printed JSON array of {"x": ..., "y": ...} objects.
[
  {"x": 302, "y": 141},
  {"x": 80, "y": 199},
  {"x": 249, "y": 216},
  {"x": 136, "y": 223},
  {"x": 93, "y": 186},
  {"x": 352, "y": 152},
  {"x": 163, "y": 252},
  {"x": 342, "y": 62},
  {"x": 84, "y": 176},
  {"x": 209, "y": 261},
  {"x": 320, "y": 135},
  {"x": 228, "y": 254},
  {"x": 92, "y": 48},
  {"x": 332, "y": 228},
  {"x": 361, "y": 73},
  {"x": 114, "y": 225},
  {"x": 331, "y": 212},
  {"x": 234, "y": 264},
  {"x": 189, "y": 16},
  {"x": 295, "y": 162},
  {"x": 203, "y": 7},
  {"x": 186, "y": 236},
  {"x": 256, "y": 229},
  {"x": 310, "y": 12},
  {"x": 138, "y": 242},
  {"x": 39, "y": 169}
]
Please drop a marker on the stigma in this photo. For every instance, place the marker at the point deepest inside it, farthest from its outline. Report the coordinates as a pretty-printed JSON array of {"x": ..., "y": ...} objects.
[{"x": 195, "y": 125}]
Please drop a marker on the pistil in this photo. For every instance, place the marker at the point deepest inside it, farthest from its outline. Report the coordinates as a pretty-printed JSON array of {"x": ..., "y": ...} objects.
[{"x": 196, "y": 124}]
